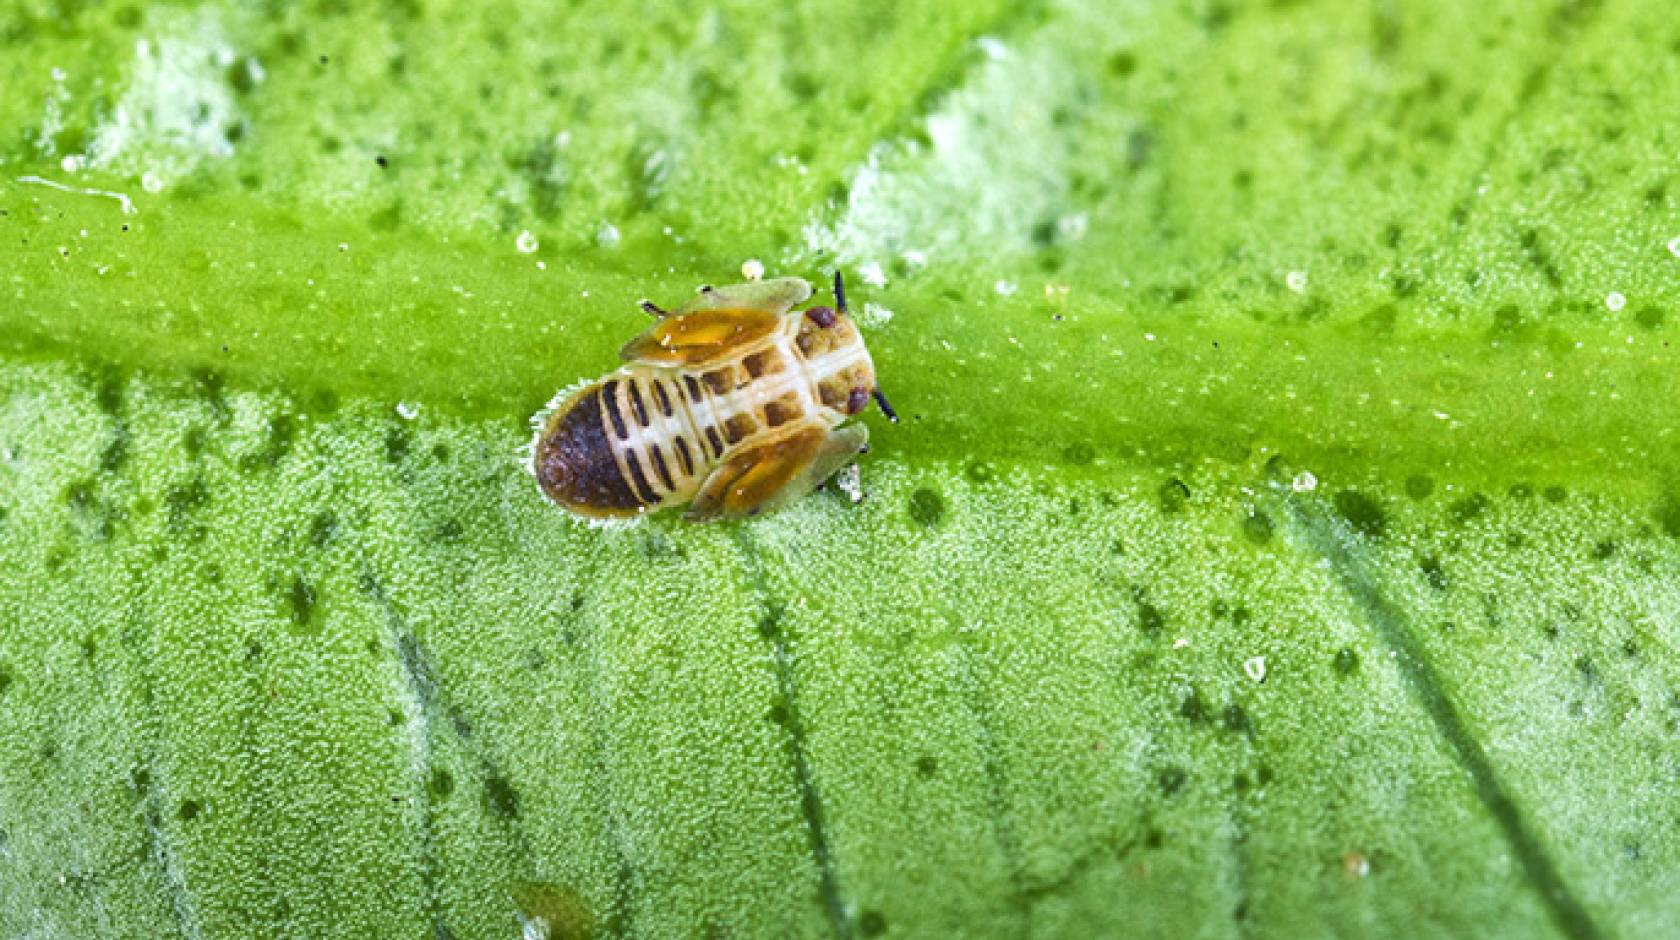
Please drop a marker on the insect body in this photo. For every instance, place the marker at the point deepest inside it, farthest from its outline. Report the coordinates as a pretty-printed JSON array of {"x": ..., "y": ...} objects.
[{"x": 730, "y": 402}]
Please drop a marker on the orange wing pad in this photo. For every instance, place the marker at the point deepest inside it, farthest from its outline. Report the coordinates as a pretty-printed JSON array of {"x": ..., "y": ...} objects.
[
  {"x": 750, "y": 478},
  {"x": 702, "y": 336}
]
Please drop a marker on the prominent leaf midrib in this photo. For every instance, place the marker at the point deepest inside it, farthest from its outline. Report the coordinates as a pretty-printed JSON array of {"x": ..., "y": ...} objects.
[{"x": 1013, "y": 388}]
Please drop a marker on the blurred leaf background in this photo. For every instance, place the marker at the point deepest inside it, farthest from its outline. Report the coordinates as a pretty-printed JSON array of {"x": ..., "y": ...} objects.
[{"x": 1281, "y": 539}]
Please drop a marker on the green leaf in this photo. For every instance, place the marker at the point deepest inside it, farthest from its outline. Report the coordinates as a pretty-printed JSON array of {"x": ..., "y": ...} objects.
[{"x": 1281, "y": 538}]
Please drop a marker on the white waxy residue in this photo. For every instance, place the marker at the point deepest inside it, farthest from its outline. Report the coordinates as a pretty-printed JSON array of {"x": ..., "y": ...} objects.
[
  {"x": 1615, "y": 301},
  {"x": 1255, "y": 668},
  {"x": 607, "y": 235},
  {"x": 850, "y": 481},
  {"x": 178, "y": 106},
  {"x": 408, "y": 410},
  {"x": 526, "y": 243},
  {"x": 1304, "y": 482},
  {"x": 122, "y": 198},
  {"x": 873, "y": 316},
  {"x": 1296, "y": 280},
  {"x": 752, "y": 269}
]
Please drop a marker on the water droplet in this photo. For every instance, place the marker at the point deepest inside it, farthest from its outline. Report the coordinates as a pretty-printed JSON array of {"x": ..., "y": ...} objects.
[
  {"x": 1674, "y": 246},
  {"x": 607, "y": 235},
  {"x": 1255, "y": 668},
  {"x": 1004, "y": 288},
  {"x": 526, "y": 242},
  {"x": 752, "y": 269},
  {"x": 1297, "y": 281},
  {"x": 72, "y": 163},
  {"x": 408, "y": 410},
  {"x": 1615, "y": 301},
  {"x": 1304, "y": 482}
]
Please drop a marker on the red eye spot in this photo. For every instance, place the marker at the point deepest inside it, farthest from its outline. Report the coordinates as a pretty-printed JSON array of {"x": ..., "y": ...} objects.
[
  {"x": 821, "y": 316},
  {"x": 856, "y": 400}
]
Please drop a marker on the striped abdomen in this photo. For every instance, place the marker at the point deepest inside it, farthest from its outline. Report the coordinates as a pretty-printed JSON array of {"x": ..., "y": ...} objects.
[
  {"x": 647, "y": 436},
  {"x": 624, "y": 445}
]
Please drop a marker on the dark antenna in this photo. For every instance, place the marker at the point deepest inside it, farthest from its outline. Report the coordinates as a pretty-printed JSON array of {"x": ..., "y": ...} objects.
[
  {"x": 886, "y": 409},
  {"x": 652, "y": 308},
  {"x": 840, "y": 301}
]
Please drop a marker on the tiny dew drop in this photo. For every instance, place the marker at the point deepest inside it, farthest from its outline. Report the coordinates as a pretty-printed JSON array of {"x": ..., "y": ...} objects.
[
  {"x": 1615, "y": 301},
  {"x": 526, "y": 242}
]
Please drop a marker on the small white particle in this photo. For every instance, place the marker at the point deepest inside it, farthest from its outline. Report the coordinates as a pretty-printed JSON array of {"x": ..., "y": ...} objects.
[
  {"x": 1297, "y": 281},
  {"x": 526, "y": 242},
  {"x": 1674, "y": 246},
  {"x": 408, "y": 410},
  {"x": 993, "y": 48},
  {"x": 1615, "y": 301},
  {"x": 752, "y": 269},
  {"x": 57, "y": 74},
  {"x": 916, "y": 258},
  {"x": 874, "y": 316},
  {"x": 1304, "y": 482},
  {"x": 343, "y": 246},
  {"x": 872, "y": 274},
  {"x": 850, "y": 482},
  {"x": 151, "y": 182},
  {"x": 562, "y": 140},
  {"x": 1255, "y": 667},
  {"x": 1073, "y": 227},
  {"x": 607, "y": 235},
  {"x": 1004, "y": 288},
  {"x": 542, "y": 266},
  {"x": 1181, "y": 643},
  {"x": 1149, "y": 337},
  {"x": 1441, "y": 415}
]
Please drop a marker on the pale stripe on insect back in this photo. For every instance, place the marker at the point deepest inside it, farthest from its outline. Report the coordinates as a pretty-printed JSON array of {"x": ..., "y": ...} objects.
[
  {"x": 668, "y": 427},
  {"x": 798, "y": 376}
]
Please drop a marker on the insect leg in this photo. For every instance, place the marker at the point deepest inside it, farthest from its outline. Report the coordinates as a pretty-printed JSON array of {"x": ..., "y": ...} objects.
[
  {"x": 840, "y": 291},
  {"x": 652, "y": 308}
]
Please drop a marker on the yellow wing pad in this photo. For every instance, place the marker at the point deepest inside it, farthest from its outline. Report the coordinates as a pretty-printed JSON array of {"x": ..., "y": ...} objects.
[
  {"x": 777, "y": 296},
  {"x": 762, "y": 475},
  {"x": 701, "y": 336}
]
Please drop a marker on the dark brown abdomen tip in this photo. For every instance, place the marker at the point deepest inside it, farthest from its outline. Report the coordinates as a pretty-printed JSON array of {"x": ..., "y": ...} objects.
[{"x": 574, "y": 462}]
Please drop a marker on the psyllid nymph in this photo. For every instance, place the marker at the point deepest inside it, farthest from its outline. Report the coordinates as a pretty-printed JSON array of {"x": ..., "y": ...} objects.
[{"x": 734, "y": 403}]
